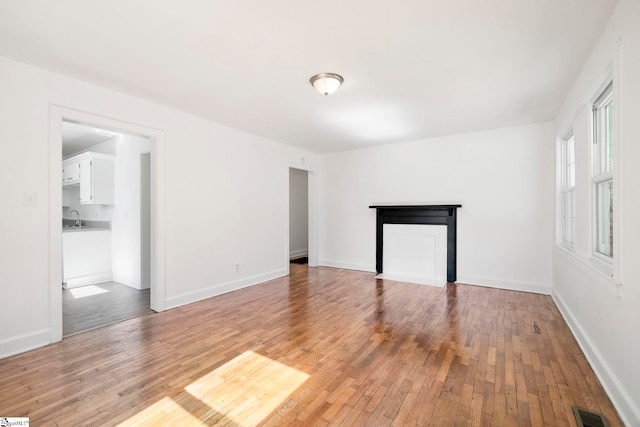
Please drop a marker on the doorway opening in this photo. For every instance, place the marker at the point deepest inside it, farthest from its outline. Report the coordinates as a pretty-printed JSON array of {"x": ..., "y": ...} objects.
[
  {"x": 298, "y": 216},
  {"x": 301, "y": 230},
  {"x": 105, "y": 226},
  {"x": 106, "y": 231}
]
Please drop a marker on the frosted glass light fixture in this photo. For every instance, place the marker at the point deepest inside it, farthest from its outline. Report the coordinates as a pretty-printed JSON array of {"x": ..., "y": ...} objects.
[{"x": 326, "y": 83}]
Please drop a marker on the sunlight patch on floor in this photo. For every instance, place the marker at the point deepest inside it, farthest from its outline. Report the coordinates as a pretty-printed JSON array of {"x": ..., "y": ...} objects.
[
  {"x": 164, "y": 412},
  {"x": 87, "y": 291},
  {"x": 248, "y": 388},
  {"x": 242, "y": 392}
]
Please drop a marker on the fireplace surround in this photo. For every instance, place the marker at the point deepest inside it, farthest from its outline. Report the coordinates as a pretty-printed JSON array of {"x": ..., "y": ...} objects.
[{"x": 419, "y": 214}]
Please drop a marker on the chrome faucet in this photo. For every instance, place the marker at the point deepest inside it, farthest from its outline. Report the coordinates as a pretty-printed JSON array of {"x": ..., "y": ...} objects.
[{"x": 78, "y": 221}]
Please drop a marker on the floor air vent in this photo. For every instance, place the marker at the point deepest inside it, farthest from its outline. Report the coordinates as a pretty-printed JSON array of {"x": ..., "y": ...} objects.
[{"x": 585, "y": 418}]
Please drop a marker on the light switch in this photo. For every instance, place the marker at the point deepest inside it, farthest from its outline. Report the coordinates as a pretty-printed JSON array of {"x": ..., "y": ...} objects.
[{"x": 30, "y": 200}]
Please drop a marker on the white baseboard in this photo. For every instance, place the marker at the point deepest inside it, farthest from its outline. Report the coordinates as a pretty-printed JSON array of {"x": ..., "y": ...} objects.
[
  {"x": 222, "y": 288},
  {"x": 622, "y": 401},
  {"x": 510, "y": 285},
  {"x": 232, "y": 286},
  {"x": 300, "y": 253},
  {"x": 42, "y": 337},
  {"x": 90, "y": 279},
  {"x": 24, "y": 343},
  {"x": 347, "y": 265}
]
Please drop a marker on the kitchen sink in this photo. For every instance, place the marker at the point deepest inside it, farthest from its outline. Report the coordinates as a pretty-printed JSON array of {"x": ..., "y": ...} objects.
[{"x": 75, "y": 227}]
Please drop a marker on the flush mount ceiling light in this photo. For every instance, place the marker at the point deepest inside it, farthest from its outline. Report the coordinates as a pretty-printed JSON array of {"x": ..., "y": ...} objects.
[{"x": 326, "y": 83}]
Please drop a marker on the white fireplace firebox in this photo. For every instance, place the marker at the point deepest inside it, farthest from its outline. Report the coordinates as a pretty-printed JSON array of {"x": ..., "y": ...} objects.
[{"x": 415, "y": 253}]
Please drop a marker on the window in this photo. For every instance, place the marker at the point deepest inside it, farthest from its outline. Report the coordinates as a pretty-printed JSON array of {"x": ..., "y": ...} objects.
[
  {"x": 568, "y": 190},
  {"x": 588, "y": 182},
  {"x": 602, "y": 176}
]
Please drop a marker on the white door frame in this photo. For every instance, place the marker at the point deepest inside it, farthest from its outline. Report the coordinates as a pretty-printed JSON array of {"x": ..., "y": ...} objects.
[
  {"x": 312, "y": 183},
  {"x": 57, "y": 115}
]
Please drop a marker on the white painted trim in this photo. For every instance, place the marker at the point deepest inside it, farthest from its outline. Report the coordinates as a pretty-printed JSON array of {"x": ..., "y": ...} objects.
[
  {"x": 411, "y": 279},
  {"x": 313, "y": 183},
  {"x": 157, "y": 229},
  {"x": 199, "y": 295},
  {"x": 618, "y": 159},
  {"x": 510, "y": 285},
  {"x": 347, "y": 265},
  {"x": 560, "y": 183},
  {"x": 22, "y": 343},
  {"x": 158, "y": 286},
  {"x": 55, "y": 227},
  {"x": 489, "y": 282},
  {"x": 611, "y": 74},
  {"x": 302, "y": 166},
  {"x": 622, "y": 401},
  {"x": 89, "y": 279}
]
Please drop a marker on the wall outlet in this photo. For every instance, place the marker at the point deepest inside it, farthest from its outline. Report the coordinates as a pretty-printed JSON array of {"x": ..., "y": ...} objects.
[
  {"x": 237, "y": 267},
  {"x": 578, "y": 301}
]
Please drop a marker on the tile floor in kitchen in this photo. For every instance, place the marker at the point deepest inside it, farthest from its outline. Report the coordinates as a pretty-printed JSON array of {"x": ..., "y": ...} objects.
[{"x": 92, "y": 306}]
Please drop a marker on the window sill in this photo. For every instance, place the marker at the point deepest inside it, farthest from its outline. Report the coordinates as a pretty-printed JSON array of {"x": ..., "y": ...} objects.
[{"x": 600, "y": 271}]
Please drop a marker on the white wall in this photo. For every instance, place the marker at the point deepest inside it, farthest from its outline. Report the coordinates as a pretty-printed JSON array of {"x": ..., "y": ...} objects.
[
  {"x": 298, "y": 212},
  {"x": 605, "y": 324},
  {"x": 503, "y": 178},
  {"x": 225, "y": 195},
  {"x": 126, "y": 222},
  {"x": 86, "y": 212}
]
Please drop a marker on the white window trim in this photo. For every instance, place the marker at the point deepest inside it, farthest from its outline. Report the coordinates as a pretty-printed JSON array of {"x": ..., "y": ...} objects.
[
  {"x": 563, "y": 189},
  {"x": 600, "y": 175},
  {"x": 618, "y": 160},
  {"x": 597, "y": 210},
  {"x": 608, "y": 275},
  {"x": 611, "y": 267},
  {"x": 564, "y": 194}
]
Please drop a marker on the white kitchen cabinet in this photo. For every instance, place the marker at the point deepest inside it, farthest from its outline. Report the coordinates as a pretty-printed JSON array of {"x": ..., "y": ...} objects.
[
  {"x": 70, "y": 172},
  {"x": 96, "y": 177},
  {"x": 86, "y": 257}
]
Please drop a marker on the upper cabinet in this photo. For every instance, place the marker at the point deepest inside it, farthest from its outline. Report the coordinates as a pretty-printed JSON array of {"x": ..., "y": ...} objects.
[
  {"x": 95, "y": 176},
  {"x": 70, "y": 172}
]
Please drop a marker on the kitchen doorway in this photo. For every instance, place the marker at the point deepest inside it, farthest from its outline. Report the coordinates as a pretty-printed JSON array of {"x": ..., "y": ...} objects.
[
  {"x": 137, "y": 242},
  {"x": 105, "y": 226}
]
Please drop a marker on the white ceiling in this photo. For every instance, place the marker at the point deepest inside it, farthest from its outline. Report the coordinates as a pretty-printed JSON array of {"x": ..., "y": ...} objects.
[
  {"x": 77, "y": 137},
  {"x": 413, "y": 69}
]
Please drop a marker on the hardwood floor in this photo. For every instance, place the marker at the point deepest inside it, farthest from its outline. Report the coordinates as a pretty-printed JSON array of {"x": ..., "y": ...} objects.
[
  {"x": 93, "y": 306},
  {"x": 321, "y": 347}
]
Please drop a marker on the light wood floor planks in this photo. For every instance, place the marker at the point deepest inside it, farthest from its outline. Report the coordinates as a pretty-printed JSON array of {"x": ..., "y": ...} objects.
[{"x": 321, "y": 347}]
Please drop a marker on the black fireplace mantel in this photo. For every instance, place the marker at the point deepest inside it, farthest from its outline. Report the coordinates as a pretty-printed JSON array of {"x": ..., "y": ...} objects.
[{"x": 419, "y": 214}]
